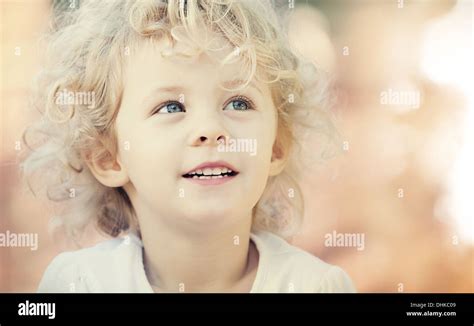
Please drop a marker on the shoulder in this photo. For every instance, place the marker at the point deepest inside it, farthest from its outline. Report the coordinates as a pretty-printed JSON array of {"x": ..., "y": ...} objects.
[
  {"x": 84, "y": 270},
  {"x": 290, "y": 269}
]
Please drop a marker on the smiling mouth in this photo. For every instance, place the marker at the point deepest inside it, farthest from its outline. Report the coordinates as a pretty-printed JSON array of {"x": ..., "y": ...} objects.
[{"x": 208, "y": 173}]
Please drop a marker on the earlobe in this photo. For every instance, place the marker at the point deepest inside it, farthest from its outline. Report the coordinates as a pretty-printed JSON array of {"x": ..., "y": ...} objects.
[
  {"x": 108, "y": 170},
  {"x": 278, "y": 161},
  {"x": 276, "y": 166}
]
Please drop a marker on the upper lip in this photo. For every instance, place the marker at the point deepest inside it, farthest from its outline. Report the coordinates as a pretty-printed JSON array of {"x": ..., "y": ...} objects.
[{"x": 211, "y": 165}]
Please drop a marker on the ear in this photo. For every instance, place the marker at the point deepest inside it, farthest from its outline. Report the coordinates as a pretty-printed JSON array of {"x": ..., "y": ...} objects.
[
  {"x": 107, "y": 168},
  {"x": 279, "y": 159}
]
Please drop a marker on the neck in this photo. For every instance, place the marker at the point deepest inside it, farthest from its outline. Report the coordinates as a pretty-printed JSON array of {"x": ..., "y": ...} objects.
[{"x": 214, "y": 260}]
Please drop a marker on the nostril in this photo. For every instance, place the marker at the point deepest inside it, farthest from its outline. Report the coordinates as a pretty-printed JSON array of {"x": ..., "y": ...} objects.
[
  {"x": 202, "y": 138},
  {"x": 221, "y": 140}
]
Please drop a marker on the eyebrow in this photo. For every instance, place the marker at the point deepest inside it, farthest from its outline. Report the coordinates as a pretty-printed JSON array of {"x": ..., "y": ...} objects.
[
  {"x": 180, "y": 90},
  {"x": 167, "y": 89},
  {"x": 236, "y": 82}
]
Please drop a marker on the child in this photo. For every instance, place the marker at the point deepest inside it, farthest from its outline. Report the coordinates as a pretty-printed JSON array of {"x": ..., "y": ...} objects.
[{"x": 173, "y": 125}]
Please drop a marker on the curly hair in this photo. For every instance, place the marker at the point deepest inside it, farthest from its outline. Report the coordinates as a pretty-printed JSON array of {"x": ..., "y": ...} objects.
[{"x": 86, "y": 50}]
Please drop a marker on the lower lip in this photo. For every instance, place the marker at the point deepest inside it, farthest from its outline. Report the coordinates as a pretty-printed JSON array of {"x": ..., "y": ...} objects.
[{"x": 211, "y": 182}]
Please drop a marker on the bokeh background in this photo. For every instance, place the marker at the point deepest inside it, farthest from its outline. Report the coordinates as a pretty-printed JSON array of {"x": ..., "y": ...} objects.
[{"x": 404, "y": 179}]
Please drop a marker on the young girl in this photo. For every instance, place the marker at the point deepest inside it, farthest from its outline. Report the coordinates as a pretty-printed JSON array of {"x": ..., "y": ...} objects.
[{"x": 173, "y": 125}]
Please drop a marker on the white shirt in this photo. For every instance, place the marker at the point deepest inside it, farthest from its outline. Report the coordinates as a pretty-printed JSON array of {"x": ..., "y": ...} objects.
[{"x": 116, "y": 265}]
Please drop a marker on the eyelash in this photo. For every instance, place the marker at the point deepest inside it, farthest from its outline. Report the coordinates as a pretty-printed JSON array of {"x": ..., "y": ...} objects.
[
  {"x": 247, "y": 101},
  {"x": 163, "y": 105}
]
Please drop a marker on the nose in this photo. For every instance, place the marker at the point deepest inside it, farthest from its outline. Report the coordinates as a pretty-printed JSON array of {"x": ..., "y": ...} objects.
[
  {"x": 211, "y": 139},
  {"x": 212, "y": 133}
]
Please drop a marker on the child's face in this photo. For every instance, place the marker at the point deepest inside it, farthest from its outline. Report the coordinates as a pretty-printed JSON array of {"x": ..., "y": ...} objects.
[{"x": 157, "y": 148}]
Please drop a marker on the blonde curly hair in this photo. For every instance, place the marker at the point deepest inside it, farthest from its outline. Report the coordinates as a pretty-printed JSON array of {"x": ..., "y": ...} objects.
[{"x": 86, "y": 51}]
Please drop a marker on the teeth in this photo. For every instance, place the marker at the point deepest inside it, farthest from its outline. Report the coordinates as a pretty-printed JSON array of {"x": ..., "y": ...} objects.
[
  {"x": 210, "y": 177},
  {"x": 210, "y": 172}
]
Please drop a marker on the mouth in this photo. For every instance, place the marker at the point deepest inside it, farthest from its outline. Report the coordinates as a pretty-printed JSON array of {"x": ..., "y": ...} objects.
[
  {"x": 208, "y": 173},
  {"x": 211, "y": 173}
]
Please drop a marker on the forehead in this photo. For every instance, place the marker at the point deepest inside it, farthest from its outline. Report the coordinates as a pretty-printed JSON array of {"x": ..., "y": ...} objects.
[{"x": 179, "y": 63}]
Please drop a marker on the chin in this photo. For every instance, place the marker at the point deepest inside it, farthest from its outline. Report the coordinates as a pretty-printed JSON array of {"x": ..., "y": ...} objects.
[{"x": 210, "y": 213}]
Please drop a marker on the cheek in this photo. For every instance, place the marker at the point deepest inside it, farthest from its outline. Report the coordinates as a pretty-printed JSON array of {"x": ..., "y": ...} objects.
[
  {"x": 149, "y": 158},
  {"x": 266, "y": 138},
  {"x": 260, "y": 127},
  {"x": 259, "y": 164}
]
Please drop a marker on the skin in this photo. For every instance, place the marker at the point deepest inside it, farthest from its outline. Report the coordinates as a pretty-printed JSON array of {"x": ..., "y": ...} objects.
[{"x": 196, "y": 238}]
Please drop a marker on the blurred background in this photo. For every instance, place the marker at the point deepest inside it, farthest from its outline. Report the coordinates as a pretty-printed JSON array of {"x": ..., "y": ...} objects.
[{"x": 403, "y": 75}]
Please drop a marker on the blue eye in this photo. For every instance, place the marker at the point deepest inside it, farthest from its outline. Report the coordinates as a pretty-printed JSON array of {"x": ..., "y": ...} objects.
[
  {"x": 171, "y": 107},
  {"x": 239, "y": 104}
]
